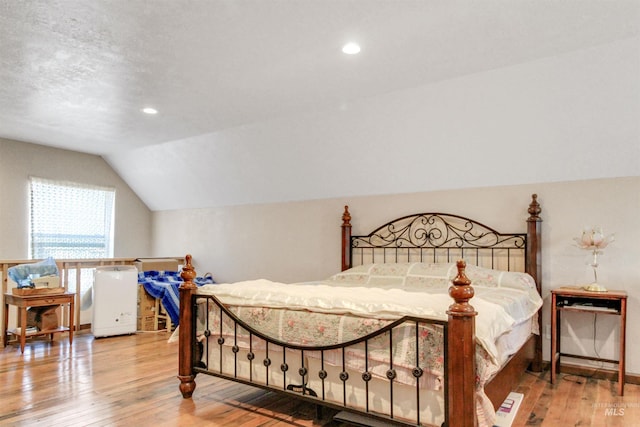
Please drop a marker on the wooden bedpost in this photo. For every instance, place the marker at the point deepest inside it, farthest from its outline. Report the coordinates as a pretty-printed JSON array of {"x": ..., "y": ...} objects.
[
  {"x": 534, "y": 267},
  {"x": 346, "y": 239},
  {"x": 186, "y": 344},
  {"x": 461, "y": 345}
]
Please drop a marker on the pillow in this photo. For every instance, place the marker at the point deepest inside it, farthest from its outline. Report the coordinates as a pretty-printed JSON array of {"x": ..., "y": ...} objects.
[
  {"x": 407, "y": 276},
  {"x": 501, "y": 279},
  {"x": 504, "y": 279},
  {"x": 357, "y": 275},
  {"x": 419, "y": 275}
]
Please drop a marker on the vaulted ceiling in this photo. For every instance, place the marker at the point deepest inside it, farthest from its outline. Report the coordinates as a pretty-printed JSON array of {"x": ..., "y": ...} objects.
[{"x": 76, "y": 75}]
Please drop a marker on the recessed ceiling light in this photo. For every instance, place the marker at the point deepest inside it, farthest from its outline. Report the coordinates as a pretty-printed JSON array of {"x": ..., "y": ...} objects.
[
  {"x": 149, "y": 110},
  {"x": 351, "y": 48}
]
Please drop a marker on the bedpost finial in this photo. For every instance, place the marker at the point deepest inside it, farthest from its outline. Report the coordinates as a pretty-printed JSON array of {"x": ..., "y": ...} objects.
[
  {"x": 461, "y": 278},
  {"x": 346, "y": 217},
  {"x": 188, "y": 273},
  {"x": 534, "y": 208},
  {"x": 461, "y": 292}
]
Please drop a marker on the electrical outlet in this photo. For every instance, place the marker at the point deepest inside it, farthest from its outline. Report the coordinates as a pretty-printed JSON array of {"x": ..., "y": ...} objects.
[{"x": 547, "y": 331}]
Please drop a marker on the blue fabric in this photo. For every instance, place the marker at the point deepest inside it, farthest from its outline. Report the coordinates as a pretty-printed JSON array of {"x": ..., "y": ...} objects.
[
  {"x": 23, "y": 273},
  {"x": 163, "y": 285}
]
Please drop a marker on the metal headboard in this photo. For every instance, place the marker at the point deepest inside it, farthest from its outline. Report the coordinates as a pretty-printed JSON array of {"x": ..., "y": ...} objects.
[{"x": 438, "y": 237}]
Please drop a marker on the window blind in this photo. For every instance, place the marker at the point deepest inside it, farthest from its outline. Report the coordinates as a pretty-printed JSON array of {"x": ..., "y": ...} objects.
[{"x": 70, "y": 220}]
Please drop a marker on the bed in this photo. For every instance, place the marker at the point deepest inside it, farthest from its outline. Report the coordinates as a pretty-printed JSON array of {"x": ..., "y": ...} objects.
[{"x": 408, "y": 352}]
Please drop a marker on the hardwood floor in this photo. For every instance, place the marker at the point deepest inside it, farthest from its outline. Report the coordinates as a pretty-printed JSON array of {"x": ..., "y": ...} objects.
[{"x": 131, "y": 381}]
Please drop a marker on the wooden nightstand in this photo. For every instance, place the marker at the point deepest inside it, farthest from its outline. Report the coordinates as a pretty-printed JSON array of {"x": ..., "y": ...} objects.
[
  {"x": 22, "y": 302},
  {"x": 578, "y": 300}
]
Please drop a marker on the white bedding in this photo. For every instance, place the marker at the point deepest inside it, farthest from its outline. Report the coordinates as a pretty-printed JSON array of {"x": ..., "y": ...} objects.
[{"x": 502, "y": 300}]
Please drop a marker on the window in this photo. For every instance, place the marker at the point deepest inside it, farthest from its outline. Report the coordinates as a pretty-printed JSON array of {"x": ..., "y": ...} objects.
[{"x": 70, "y": 220}]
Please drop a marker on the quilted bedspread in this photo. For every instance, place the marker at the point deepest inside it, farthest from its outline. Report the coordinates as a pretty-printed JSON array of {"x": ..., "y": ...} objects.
[{"x": 390, "y": 291}]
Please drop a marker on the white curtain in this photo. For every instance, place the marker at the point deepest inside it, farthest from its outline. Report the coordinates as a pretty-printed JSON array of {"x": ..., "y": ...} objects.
[{"x": 70, "y": 220}]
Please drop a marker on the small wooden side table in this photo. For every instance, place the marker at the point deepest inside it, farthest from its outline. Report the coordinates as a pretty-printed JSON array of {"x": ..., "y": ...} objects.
[
  {"x": 22, "y": 302},
  {"x": 578, "y": 300}
]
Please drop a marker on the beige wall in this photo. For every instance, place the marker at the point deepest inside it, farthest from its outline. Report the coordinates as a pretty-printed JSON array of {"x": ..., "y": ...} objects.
[
  {"x": 19, "y": 160},
  {"x": 301, "y": 241}
]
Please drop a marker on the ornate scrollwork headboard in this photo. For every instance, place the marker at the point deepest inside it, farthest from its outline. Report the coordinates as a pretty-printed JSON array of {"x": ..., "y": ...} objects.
[{"x": 437, "y": 237}]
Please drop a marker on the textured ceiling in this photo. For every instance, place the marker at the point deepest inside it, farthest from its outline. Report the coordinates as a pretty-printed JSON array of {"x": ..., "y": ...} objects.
[{"x": 75, "y": 74}]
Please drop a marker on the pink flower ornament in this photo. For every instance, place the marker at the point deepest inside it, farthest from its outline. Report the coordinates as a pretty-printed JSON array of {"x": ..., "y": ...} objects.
[{"x": 594, "y": 238}]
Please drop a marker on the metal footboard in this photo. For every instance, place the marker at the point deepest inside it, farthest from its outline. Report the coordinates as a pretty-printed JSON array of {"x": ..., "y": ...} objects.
[{"x": 227, "y": 347}]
